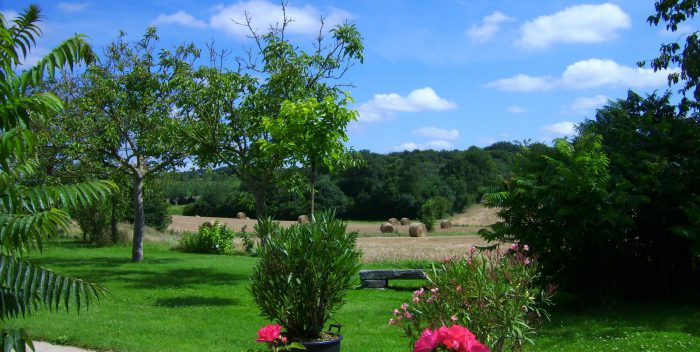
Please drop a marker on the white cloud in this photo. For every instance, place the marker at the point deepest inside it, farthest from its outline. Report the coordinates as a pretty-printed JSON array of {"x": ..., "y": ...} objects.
[
  {"x": 565, "y": 128},
  {"x": 434, "y": 145},
  {"x": 181, "y": 18},
  {"x": 515, "y": 109},
  {"x": 576, "y": 24},
  {"x": 383, "y": 106},
  {"x": 489, "y": 26},
  {"x": 265, "y": 14},
  {"x": 72, "y": 6},
  {"x": 591, "y": 73},
  {"x": 523, "y": 83},
  {"x": 437, "y": 133},
  {"x": 584, "y": 105}
]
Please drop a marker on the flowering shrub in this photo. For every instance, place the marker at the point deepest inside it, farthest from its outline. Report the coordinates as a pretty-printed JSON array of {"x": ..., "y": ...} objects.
[
  {"x": 272, "y": 336},
  {"x": 493, "y": 293},
  {"x": 455, "y": 338}
]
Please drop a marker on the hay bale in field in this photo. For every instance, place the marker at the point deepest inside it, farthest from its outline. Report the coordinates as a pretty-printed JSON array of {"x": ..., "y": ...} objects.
[
  {"x": 405, "y": 221},
  {"x": 417, "y": 230},
  {"x": 386, "y": 228},
  {"x": 393, "y": 221},
  {"x": 303, "y": 219},
  {"x": 240, "y": 215},
  {"x": 445, "y": 224},
  {"x": 247, "y": 218}
]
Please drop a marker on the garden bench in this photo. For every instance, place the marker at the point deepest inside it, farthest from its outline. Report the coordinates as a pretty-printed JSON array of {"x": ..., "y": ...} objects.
[{"x": 380, "y": 278}]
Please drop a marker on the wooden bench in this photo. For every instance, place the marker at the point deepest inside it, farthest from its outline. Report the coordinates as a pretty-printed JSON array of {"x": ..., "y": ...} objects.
[{"x": 380, "y": 278}]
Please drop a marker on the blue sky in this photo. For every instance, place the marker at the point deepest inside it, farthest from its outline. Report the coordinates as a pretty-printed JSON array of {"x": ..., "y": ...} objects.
[{"x": 437, "y": 74}]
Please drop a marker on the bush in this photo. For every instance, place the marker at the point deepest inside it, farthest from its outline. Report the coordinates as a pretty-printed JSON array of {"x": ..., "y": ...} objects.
[
  {"x": 427, "y": 215},
  {"x": 304, "y": 272},
  {"x": 493, "y": 295},
  {"x": 209, "y": 239}
]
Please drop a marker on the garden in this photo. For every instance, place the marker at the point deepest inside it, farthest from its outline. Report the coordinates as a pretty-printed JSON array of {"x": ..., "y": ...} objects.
[{"x": 595, "y": 246}]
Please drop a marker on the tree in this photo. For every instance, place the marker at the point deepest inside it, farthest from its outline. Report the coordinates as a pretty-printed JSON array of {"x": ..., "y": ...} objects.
[
  {"x": 127, "y": 117},
  {"x": 31, "y": 214},
  {"x": 242, "y": 100},
  {"x": 312, "y": 133},
  {"x": 673, "y": 13}
]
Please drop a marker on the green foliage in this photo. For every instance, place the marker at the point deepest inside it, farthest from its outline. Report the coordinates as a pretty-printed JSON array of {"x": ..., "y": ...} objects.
[
  {"x": 433, "y": 209},
  {"x": 304, "y": 272},
  {"x": 209, "y": 239},
  {"x": 673, "y": 13},
  {"x": 31, "y": 214},
  {"x": 493, "y": 294},
  {"x": 608, "y": 213}
]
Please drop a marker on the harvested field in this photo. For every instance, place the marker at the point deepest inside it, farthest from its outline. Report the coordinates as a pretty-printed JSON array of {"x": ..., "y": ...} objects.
[{"x": 385, "y": 247}]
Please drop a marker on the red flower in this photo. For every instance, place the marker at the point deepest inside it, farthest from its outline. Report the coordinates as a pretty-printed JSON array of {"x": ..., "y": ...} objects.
[
  {"x": 428, "y": 341},
  {"x": 269, "y": 333},
  {"x": 455, "y": 338}
]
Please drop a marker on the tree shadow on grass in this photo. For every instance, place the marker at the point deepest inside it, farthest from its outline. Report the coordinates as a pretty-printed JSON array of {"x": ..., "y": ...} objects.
[
  {"x": 574, "y": 323},
  {"x": 195, "y": 301}
]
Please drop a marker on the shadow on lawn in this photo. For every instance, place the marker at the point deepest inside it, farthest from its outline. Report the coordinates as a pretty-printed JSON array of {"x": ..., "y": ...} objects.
[
  {"x": 570, "y": 323},
  {"x": 195, "y": 301}
]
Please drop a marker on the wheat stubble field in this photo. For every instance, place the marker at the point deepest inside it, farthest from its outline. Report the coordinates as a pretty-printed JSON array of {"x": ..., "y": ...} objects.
[{"x": 378, "y": 248}]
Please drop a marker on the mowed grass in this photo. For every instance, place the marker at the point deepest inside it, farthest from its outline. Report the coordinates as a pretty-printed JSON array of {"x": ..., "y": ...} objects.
[
  {"x": 176, "y": 209},
  {"x": 193, "y": 302}
]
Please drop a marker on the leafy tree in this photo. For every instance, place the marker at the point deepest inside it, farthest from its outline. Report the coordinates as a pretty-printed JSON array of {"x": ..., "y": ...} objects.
[
  {"x": 674, "y": 13},
  {"x": 127, "y": 117},
  {"x": 313, "y": 134},
  {"x": 31, "y": 214},
  {"x": 238, "y": 103},
  {"x": 615, "y": 210}
]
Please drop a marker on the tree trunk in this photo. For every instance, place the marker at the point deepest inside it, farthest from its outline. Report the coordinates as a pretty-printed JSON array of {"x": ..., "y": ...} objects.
[
  {"x": 113, "y": 221},
  {"x": 313, "y": 188},
  {"x": 139, "y": 219}
]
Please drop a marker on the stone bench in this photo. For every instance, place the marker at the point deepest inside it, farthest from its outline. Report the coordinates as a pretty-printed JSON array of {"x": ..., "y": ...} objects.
[{"x": 380, "y": 278}]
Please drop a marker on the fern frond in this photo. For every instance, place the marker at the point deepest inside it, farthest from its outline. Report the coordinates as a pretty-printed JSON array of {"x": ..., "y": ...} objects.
[
  {"x": 70, "y": 52},
  {"x": 15, "y": 340},
  {"x": 26, "y": 288}
]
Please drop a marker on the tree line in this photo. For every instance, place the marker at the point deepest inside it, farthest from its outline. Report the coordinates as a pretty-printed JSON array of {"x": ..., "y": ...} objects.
[{"x": 379, "y": 187}]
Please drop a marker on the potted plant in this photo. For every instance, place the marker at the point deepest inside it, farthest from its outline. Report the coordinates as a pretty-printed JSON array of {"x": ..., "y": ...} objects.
[{"x": 303, "y": 275}]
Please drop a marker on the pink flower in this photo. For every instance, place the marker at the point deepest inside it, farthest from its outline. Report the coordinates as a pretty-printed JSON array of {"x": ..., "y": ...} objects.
[
  {"x": 472, "y": 249},
  {"x": 269, "y": 333},
  {"x": 526, "y": 248},
  {"x": 419, "y": 292},
  {"x": 392, "y": 322},
  {"x": 408, "y": 315},
  {"x": 396, "y": 312},
  {"x": 453, "y": 318},
  {"x": 434, "y": 290},
  {"x": 459, "y": 338},
  {"x": 514, "y": 246},
  {"x": 428, "y": 341},
  {"x": 404, "y": 306},
  {"x": 284, "y": 339},
  {"x": 527, "y": 261},
  {"x": 416, "y": 299}
]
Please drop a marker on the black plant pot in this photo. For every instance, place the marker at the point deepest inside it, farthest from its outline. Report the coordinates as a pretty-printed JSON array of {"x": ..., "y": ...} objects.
[{"x": 322, "y": 346}]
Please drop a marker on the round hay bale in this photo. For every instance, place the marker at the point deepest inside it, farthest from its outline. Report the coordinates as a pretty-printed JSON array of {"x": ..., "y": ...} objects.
[
  {"x": 405, "y": 221},
  {"x": 240, "y": 215},
  {"x": 445, "y": 224},
  {"x": 417, "y": 230},
  {"x": 393, "y": 221},
  {"x": 247, "y": 218},
  {"x": 303, "y": 219},
  {"x": 386, "y": 228}
]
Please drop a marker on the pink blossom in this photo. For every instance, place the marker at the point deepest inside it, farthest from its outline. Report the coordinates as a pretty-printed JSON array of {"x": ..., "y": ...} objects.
[
  {"x": 416, "y": 299},
  {"x": 269, "y": 333},
  {"x": 526, "y": 248},
  {"x": 419, "y": 292},
  {"x": 514, "y": 246},
  {"x": 408, "y": 315},
  {"x": 453, "y": 318},
  {"x": 392, "y": 322},
  {"x": 396, "y": 312},
  {"x": 472, "y": 249},
  {"x": 284, "y": 339},
  {"x": 434, "y": 290},
  {"x": 404, "y": 306},
  {"x": 428, "y": 341},
  {"x": 527, "y": 261}
]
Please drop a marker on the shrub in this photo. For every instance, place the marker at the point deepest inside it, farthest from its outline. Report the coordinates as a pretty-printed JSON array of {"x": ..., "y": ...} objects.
[
  {"x": 209, "y": 239},
  {"x": 304, "y": 272},
  {"x": 494, "y": 295},
  {"x": 427, "y": 215}
]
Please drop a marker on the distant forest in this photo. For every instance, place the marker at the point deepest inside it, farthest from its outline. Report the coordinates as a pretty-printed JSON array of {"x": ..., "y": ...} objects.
[{"x": 380, "y": 187}]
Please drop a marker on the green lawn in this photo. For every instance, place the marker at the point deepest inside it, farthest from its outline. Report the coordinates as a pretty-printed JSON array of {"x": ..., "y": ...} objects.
[
  {"x": 193, "y": 302},
  {"x": 176, "y": 209}
]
